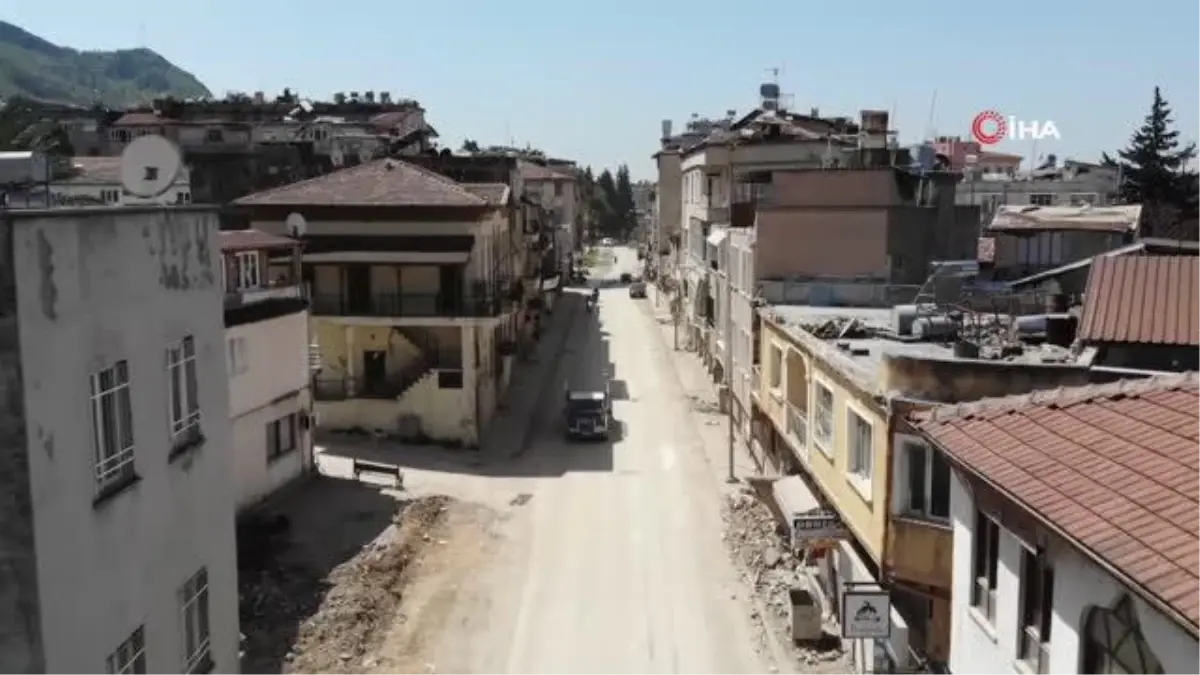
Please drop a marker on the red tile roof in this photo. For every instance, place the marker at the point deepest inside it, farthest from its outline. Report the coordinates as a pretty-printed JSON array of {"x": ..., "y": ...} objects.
[
  {"x": 246, "y": 240},
  {"x": 1113, "y": 467},
  {"x": 383, "y": 182},
  {"x": 1143, "y": 299}
]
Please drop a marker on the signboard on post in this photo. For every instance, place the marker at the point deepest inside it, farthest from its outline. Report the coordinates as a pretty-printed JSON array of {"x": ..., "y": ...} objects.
[
  {"x": 866, "y": 614},
  {"x": 817, "y": 526}
]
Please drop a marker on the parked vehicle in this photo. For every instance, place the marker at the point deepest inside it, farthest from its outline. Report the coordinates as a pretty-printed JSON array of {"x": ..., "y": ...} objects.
[
  {"x": 637, "y": 289},
  {"x": 587, "y": 413}
]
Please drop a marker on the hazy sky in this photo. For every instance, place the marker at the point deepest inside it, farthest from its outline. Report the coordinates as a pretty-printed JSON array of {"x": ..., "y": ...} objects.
[{"x": 592, "y": 81}]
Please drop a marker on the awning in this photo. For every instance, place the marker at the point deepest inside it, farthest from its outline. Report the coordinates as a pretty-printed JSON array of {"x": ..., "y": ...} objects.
[{"x": 717, "y": 236}]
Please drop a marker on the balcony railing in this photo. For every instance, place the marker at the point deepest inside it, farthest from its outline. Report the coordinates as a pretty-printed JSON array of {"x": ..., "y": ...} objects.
[
  {"x": 236, "y": 297},
  {"x": 797, "y": 424},
  {"x": 410, "y": 305}
]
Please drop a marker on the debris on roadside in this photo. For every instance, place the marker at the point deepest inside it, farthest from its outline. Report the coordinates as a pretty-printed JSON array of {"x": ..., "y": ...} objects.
[
  {"x": 297, "y": 620},
  {"x": 759, "y": 544}
]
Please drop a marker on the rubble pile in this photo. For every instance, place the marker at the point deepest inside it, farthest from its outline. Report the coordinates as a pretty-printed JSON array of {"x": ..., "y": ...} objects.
[
  {"x": 759, "y": 543},
  {"x": 296, "y": 620}
]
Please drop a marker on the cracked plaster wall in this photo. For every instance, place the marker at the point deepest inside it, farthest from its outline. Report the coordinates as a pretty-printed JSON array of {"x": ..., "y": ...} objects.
[{"x": 95, "y": 287}]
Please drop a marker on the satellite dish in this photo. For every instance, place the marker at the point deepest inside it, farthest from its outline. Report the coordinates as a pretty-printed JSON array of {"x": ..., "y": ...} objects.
[
  {"x": 336, "y": 157},
  {"x": 149, "y": 166},
  {"x": 296, "y": 225}
]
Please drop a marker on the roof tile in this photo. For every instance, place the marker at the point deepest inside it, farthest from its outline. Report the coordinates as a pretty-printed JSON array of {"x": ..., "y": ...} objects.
[
  {"x": 383, "y": 182},
  {"x": 1116, "y": 467},
  {"x": 1142, "y": 299}
]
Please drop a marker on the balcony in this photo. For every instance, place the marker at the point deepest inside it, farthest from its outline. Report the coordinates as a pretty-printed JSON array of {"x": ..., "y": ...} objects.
[
  {"x": 411, "y": 305},
  {"x": 239, "y": 297},
  {"x": 920, "y": 550},
  {"x": 797, "y": 425}
]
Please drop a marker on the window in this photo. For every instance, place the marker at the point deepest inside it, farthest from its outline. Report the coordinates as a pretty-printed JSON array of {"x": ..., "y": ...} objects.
[
  {"x": 558, "y": 188},
  {"x": 112, "y": 425},
  {"x": 236, "y": 355},
  {"x": 130, "y": 656},
  {"x": 246, "y": 269},
  {"x": 928, "y": 482},
  {"x": 193, "y": 603},
  {"x": 1041, "y": 199},
  {"x": 183, "y": 392},
  {"x": 1081, "y": 198},
  {"x": 986, "y": 560},
  {"x": 861, "y": 457},
  {"x": 776, "y": 366},
  {"x": 281, "y": 436},
  {"x": 214, "y": 136},
  {"x": 823, "y": 417},
  {"x": 1112, "y": 642},
  {"x": 1037, "y": 598}
]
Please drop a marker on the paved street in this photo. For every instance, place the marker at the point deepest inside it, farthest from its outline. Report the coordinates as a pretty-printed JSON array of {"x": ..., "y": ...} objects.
[{"x": 615, "y": 564}]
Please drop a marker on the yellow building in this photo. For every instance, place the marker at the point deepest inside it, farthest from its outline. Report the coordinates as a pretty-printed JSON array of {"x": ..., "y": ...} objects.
[
  {"x": 415, "y": 286},
  {"x": 832, "y": 408}
]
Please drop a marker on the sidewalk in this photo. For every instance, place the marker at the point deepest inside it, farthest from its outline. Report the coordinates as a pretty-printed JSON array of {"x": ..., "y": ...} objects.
[
  {"x": 511, "y": 429},
  {"x": 713, "y": 428},
  {"x": 711, "y": 424}
]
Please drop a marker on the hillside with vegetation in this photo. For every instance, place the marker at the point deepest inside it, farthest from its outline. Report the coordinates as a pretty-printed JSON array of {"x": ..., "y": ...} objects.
[{"x": 31, "y": 67}]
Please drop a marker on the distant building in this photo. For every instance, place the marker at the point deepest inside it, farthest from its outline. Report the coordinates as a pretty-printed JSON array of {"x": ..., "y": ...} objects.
[
  {"x": 118, "y": 532},
  {"x": 1072, "y": 184}
]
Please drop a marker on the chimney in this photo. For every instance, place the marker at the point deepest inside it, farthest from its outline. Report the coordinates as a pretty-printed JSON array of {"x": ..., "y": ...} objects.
[
  {"x": 370, "y": 96},
  {"x": 385, "y": 97},
  {"x": 815, "y": 112}
]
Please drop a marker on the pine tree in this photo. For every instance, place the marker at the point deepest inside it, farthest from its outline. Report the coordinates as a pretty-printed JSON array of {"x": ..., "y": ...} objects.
[
  {"x": 626, "y": 207},
  {"x": 1155, "y": 170}
]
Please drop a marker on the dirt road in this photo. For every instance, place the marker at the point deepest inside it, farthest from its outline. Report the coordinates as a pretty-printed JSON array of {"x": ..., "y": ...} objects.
[{"x": 616, "y": 563}]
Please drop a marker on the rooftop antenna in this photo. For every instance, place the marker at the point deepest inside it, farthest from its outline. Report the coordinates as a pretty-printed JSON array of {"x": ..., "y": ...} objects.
[
  {"x": 929, "y": 128},
  {"x": 149, "y": 166}
]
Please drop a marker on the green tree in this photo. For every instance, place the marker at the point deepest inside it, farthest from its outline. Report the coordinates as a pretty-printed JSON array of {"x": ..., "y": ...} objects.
[
  {"x": 470, "y": 146},
  {"x": 1155, "y": 170},
  {"x": 626, "y": 206}
]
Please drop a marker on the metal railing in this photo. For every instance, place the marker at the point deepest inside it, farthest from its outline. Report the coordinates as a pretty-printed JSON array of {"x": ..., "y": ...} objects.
[
  {"x": 236, "y": 297},
  {"x": 410, "y": 304},
  {"x": 797, "y": 424}
]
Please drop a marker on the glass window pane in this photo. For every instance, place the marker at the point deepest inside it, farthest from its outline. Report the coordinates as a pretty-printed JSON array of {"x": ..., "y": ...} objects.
[
  {"x": 939, "y": 487},
  {"x": 193, "y": 395}
]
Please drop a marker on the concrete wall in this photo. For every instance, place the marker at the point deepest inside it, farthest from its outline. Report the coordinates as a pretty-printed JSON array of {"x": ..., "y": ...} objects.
[
  {"x": 21, "y": 647},
  {"x": 100, "y": 286},
  {"x": 814, "y": 241},
  {"x": 669, "y": 195},
  {"x": 980, "y": 646},
  {"x": 956, "y": 380},
  {"x": 274, "y": 383}
]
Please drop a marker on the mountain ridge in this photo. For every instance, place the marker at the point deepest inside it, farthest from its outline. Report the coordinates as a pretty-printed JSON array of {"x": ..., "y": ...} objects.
[{"x": 33, "y": 67}]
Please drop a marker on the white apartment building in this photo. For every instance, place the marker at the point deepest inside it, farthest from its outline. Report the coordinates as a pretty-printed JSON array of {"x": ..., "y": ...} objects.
[
  {"x": 118, "y": 534},
  {"x": 268, "y": 355},
  {"x": 1074, "y": 514}
]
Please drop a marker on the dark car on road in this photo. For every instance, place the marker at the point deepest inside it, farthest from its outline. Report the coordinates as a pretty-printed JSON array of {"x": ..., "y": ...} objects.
[
  {"x": 626, "y": 277},
  {"x": 588, "y": 413}
]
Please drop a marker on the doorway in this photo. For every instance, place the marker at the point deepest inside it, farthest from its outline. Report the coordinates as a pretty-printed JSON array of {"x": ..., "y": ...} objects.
[
  {"x": 358, "y": 290},
  {"x": 374, "y": 371}
]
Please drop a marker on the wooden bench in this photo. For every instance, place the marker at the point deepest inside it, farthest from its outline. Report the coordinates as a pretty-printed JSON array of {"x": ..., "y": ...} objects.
[{"x": 391, "y": 471}]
